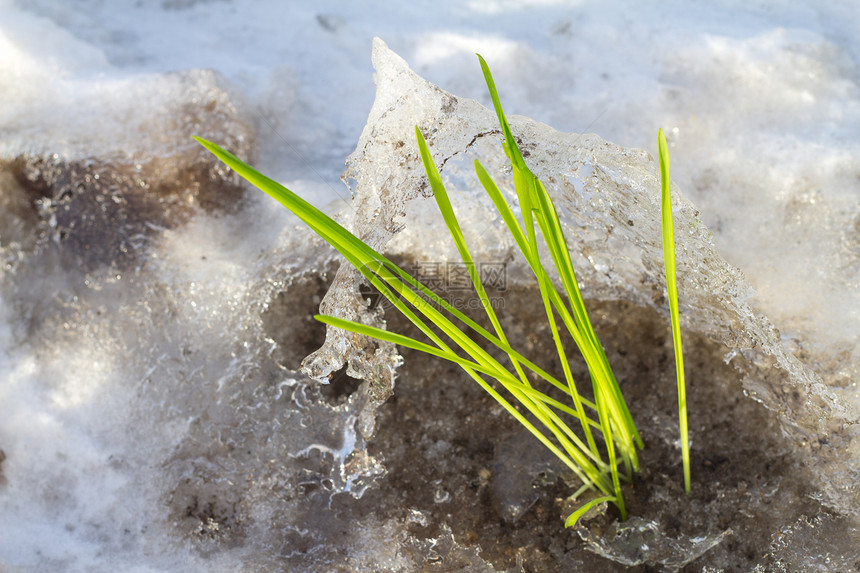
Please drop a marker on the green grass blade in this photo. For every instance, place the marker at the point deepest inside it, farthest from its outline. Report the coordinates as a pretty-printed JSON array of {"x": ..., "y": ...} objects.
[
  {"x": 536, "y": 207},
  {"x": 575, "y": 450},
  {"x": 582, "y": 330},
  {"x": 502, "y": 207},
  {"x": 444, "y": 203},
  {"x": 408, "y": 342},
  {"x": 355, "y": 250},
  {"x": 672, "y": 290},
  {"x": 574, "y": 517},
  {"x": 550, "y": 226},
  {"x": 538, "y": 408},
  {"x": 571, "y": 444},
  {"x": 534, "y": 401},
  {"x": 513, "y": 151},
  {"x": 524, "y": 183}
]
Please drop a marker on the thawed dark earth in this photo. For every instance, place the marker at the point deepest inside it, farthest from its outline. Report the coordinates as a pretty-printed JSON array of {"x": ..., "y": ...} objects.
[{"x": 159, "y": 313}]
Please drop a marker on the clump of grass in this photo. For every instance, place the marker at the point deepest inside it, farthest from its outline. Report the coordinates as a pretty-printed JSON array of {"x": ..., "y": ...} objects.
[{"x": 596, "y": 439}]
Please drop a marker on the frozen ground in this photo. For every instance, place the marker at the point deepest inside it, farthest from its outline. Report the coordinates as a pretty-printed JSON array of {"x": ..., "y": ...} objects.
[{"x": 152, "y": 416}]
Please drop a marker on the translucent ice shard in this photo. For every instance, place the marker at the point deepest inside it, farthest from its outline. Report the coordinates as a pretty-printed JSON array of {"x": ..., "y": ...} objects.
[
  {"x": 638, "y": 541},
  {"x": 820, "y": 543},
  {"x": 608, "y": 199}
]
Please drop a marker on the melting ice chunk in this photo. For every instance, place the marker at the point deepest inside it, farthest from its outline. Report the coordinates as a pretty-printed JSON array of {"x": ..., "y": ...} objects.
[{"x": 608, "y": 200}]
